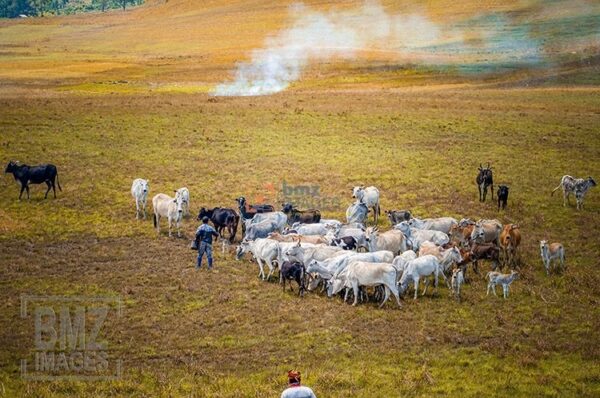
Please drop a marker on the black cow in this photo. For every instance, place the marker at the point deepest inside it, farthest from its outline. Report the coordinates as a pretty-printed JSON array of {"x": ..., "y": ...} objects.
[
  {"x": 397, "y": 216},
  {"x": 26, "y": 175},
  {"x": 222, "y": 217},
  {"x": 293, "y": 271},
  {"x": 484, "y": 180},
  {"x": 310, "y": 216},
  {"x": 502, "y": 196}
]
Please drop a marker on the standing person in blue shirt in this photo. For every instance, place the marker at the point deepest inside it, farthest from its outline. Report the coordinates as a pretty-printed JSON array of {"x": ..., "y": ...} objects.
[{"x": 204, "y": 235}]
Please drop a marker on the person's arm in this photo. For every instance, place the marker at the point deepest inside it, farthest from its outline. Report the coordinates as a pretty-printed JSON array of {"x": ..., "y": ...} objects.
[{"x": 214, "y": 232}]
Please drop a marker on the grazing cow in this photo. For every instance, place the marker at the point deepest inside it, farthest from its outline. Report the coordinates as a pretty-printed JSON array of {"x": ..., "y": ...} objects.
[
  {"x": 26, "y": 175},
  {"x": 222, "y": 218},
  {"x": 264, "y": 251},
  {"x": 445, "y": 256},
  {"x": 310, "y": 229},
  {"x": 166, "y": 206},
  {"x": 442, "y": 224},
  {"x": 419, "y": 268},
  {"x": 397, "y": 216},
  {"x": 578, "y": 186},
  {"x": 331, "y": 223},
  {"x": 261, "y": 229},
  {"x": 416, "y": 236},
  {"x": 484, "y": 251},
  {"x": 552, "y": 251},
  {"x": 346, "y": 243},
  {"x": 456, "y": 282},
  {"x": 293, "y": 271},
  {"x": 307, "y": 254},
  {"x": 392, "y": 240},
  {"x": 461, "y": 233},
  {"x": 401, "y": 261},
  {"x": 314, "y": 239},
  {"x": 505, "y": 280},
  {"x": 139, "y": 191},
  {"x": 185, "y": 196},
  {"x": 510, "y": 239},
  {"x": 484, "y": 180},
  {"x": 486, "y": 231},
  {"x": 370, "y": 197},
  {"x": 357, "y": 212},
  {"x": 360, "y": 273},
  {"x": 502, "y": 197},
  {"x": 304, "y": 216},
  {"x": 337, "y": 281}
]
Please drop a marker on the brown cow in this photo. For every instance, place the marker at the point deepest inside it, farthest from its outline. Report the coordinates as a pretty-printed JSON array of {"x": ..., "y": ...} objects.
[
  {"x": 314, "y": 239},
  {"x": 461, "y": 233},
  {"x": 485, "y": 251},
  {"x": 510, "y": 239}
]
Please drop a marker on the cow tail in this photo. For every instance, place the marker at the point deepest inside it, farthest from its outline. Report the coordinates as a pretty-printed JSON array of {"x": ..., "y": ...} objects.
[
  {"x": 155, "y": 221},
  {"x": 58, "y": 182},
  {"x": 556, "y": 189}
]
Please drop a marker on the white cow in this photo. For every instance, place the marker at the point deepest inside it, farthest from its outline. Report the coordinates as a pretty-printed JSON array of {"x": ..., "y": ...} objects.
[
  {"x": 505, "y": 280},
  {"x": 549, "y": 252},
  {"x": 360, "y": 273},
  {"x": 422, "y": 267},
  {"x": 139, "y": 191},
  {"x": 392, "y": 240},
  {"x": 417, "y": 236},
  {"x": 370, "y": 197},
  {"x": 400, "y": 262},
  {"x": 311, "y": 229},
  {"x": 357, "y": 212},
  {"x": 306, "y": 254},
  {"x": 486, "y": 231},
  {"x": 338, "y": 280},
  {"x": 442, "y": 224},
  {"x": 185, "y": 196},
  {"x": 166, "y": 206},
  {"x": 264, "y": 250}
]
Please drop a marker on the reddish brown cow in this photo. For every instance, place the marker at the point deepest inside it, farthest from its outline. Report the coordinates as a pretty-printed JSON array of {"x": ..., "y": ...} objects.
[{"x": 510, "y": 239}]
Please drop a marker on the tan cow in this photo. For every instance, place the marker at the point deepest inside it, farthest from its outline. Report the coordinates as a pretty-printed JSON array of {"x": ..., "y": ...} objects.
[{"x": 510, "y": 239}]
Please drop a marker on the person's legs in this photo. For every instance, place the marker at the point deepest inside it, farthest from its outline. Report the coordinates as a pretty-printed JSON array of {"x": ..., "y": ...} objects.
[
  {"x": 209, "y": 256},
  {"x": 201, "y": 250}
]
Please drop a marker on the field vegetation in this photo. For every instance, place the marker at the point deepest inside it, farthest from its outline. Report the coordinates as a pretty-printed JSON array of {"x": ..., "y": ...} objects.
[{"x": 112, "y": 97}]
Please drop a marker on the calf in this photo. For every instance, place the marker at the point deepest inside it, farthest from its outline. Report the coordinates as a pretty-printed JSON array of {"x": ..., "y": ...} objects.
[
  {"x": 578, "y": 186},
  {"x": 484, "y": 251},
  {"x": 510, "y": 239},
  {"x": 26, "y": 175},
  {"x": 484, "y": 180},
  {"x": 505, "y": 280},
  {"x": 293, "y": 271},
  {"x": 303, "y": 216},
  {"x": 502, "y": 197},
  {"x": 397, "y": 216},
  {"x": 552, "y": 251},
  {"x": 456, "y": 281},
  {"x": 462, "y": 231}
]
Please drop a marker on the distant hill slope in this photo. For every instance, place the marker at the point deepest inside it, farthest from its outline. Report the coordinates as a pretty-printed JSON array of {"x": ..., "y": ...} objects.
[{"x": 188, "y": 41}]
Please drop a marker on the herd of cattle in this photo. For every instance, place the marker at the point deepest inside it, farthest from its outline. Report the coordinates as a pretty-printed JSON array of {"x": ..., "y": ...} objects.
[{"x": 348, "y": 255}]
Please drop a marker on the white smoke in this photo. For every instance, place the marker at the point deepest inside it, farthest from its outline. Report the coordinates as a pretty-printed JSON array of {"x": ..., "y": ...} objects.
[{"x": 317, "y": 36}]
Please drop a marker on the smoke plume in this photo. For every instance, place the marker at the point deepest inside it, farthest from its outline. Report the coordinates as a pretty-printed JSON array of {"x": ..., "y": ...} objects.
[{"x": 412, "y": 38}]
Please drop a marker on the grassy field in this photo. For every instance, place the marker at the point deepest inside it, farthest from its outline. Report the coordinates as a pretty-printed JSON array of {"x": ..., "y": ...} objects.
[{"x": 144, "y": 111}]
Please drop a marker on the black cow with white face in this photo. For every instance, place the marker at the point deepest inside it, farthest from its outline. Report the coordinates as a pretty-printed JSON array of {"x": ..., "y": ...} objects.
[{"x": 484, "y": 180}]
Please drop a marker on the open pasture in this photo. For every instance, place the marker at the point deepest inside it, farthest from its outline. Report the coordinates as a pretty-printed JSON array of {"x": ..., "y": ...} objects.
[{"x": 194, "y": 333}]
